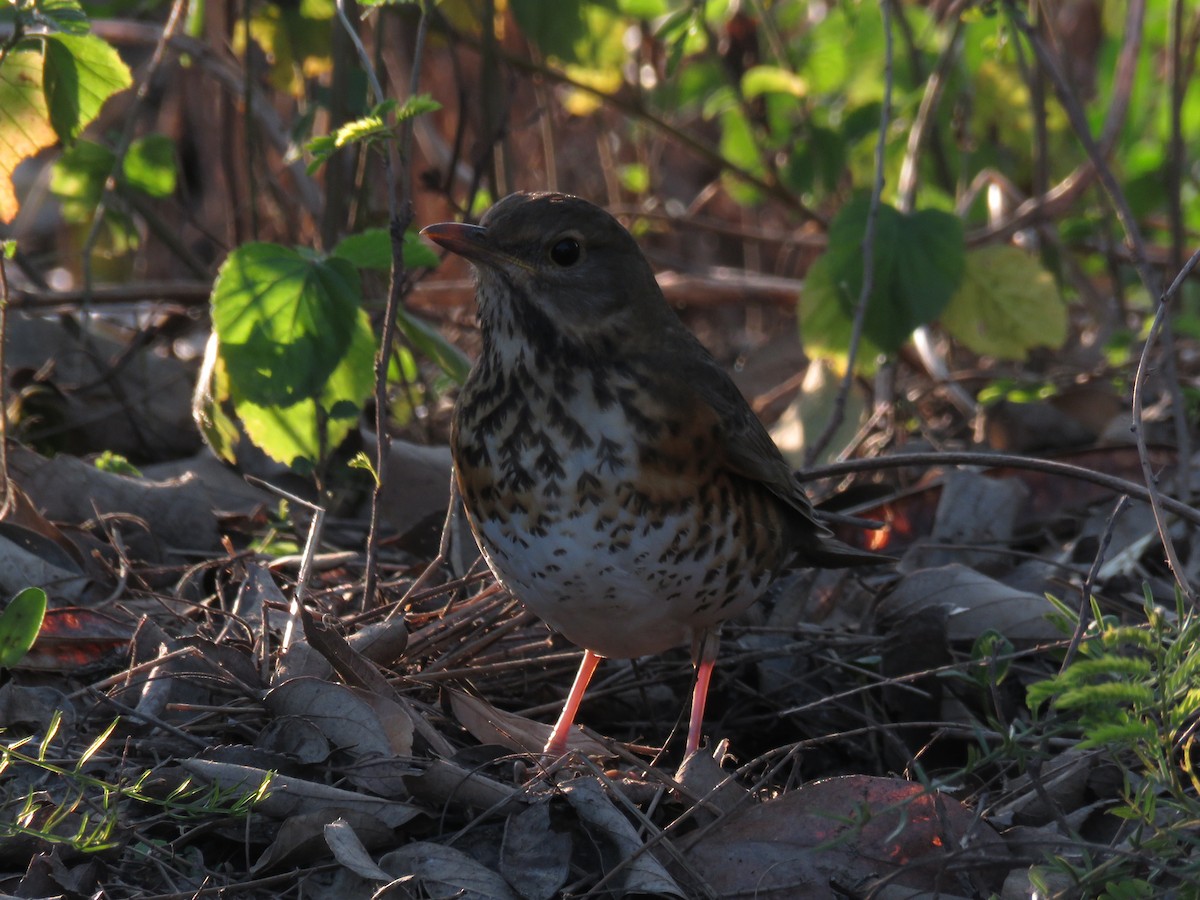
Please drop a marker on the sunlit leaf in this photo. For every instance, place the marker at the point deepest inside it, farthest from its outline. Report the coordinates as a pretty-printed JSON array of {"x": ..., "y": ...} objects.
[
  {"x": 1007, "y": 305},
  {"x": 80, "y": 73},
  {"x": 285, "y": 321},
  {"x": 149, "y": 165},
  {"x": 78, "y": 177},
  {"x": 372, "y": 249},
  {"x": 19, "y": 625},
  {"x": 772, "y": 80},
  {"x": 24, "y": 120},
  {"x": 66, "y": 16}
]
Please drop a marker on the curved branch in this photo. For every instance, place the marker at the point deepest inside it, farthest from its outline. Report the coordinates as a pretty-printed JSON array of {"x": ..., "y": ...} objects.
[{"x": 993, "y": 460}]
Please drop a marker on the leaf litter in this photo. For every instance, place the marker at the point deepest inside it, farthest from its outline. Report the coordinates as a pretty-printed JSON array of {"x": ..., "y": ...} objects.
[{"x": 393, "y": 752}]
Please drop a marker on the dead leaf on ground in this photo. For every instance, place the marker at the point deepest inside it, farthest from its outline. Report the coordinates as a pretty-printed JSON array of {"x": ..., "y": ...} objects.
[
  {"x": 348, "y": 849},
  {"x": 535, "y": 857},
  {"x": 285, "y": 796},
  {"x": 973, "y": 603},
  {"x": 28, "y": 558},
  {"x": 489, "y": 725},
  {"x": 440, "y": 871},
  {"x": 846, "y": 831},
  {"x": 74, "y": 638},
  {"x": 364, "y": 724},
  {"x": 173, "y": 513},
  {"x": 621, "y": 846},
  {"x": 443, "y": 782},
  {"x": 304, "y": 837},
  {"x": 972, "y": 510}
]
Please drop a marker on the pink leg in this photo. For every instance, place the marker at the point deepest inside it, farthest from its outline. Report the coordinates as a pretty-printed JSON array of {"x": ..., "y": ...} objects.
[
  {"x": 557, "y": 745},
  {"x": 699, "y": 696}
]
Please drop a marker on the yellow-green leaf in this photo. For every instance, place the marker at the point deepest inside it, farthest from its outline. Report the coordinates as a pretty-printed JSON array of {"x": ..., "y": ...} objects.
[
  {"x": 80, "y": 72},
  {"x": 24, "y": 120},
  {"x": 1006, "y": 305}
]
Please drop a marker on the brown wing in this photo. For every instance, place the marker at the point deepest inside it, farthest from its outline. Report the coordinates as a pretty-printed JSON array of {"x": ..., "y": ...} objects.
[{"x": 749, "y": 452}]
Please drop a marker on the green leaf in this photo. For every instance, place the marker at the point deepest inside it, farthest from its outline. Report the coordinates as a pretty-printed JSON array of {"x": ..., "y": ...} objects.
[
  {"x": 78, "y": 177},
  {"x": 634, "y": 177},
  {"x": 772, "y": 80},
  {"x": 296, "y": 347},
  {"x": 739, "y": 147},
  {"x": 79, "y": 73},
  {"x": 212, "y": 405},
  {"x": 1006, "y": 305},
  {"x": 66, "y": 16},
  {"x": 434, "y": 345},
  {"x": 24, "y": 120},
  {"x": 372, "y": 249},
  {"x": 418, "y": 254},
  {"x": 115, "y": 463},
  {"x": 643, "y": 9},
  {"x": 19, "y": 625},
  {"x": 369, "y": 249},
  {"x": 285, "y": 320},
  {"x": 416, "y": 105},
  {"x": 918, "y": 263},
  {"x": 558, "y": 29},
  {"x": 296, "y": 38},
  {"x": 149, "y": 165},
  {"x": 303, "y": 433}
]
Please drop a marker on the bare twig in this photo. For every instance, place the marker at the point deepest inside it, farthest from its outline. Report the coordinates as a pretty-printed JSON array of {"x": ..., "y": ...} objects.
[
  {"x": 6, "y": 498},
  {"x": 868, "y": 247},
  {"x": 131, "y": 120},
  {"x": 1060, "y": 197},
  {"x": 1149, "y": 278},
  {"x": 996, "y": 460},
  {"x": 399, "y": 217},
  {"x": 1085, "y": 589}
]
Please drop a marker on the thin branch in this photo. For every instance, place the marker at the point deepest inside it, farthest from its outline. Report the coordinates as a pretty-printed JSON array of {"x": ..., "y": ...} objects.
[
  {"x": 122, "y": 148},
  {"x": 399, "y": 218},
  {"x": 1059, "y": 198},
  {"x": 1149, "y": 279},
  {"x": 6, "y": 498},
  {"x": 1085, "y": 589},
  {"x": 906, "y": 184},
  {"x": 838, "y": 413},
  {"x": 998, "y": 460}
]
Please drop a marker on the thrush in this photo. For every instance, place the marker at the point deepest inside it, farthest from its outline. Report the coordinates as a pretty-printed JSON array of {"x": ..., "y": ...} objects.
[{"x": 616, "y": 480}]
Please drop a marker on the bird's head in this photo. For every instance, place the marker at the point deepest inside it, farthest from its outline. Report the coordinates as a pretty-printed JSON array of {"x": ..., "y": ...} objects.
[{"x": 560, "y": 269}]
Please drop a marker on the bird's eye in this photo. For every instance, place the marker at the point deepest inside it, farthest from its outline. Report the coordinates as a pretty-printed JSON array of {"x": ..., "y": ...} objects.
[{"x": 566, "y": 252}]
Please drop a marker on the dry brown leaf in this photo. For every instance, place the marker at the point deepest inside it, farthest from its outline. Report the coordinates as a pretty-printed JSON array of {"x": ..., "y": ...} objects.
[
  {"x": 285, "y": 796},
  {"x": 175, "y": 513},
  {"x": 973, "y": 603},
  {"x": 302, "y": 838},
  {"x": 709, "y": 786},
  {"x": 493, "y": 726},
  {"x": 348, "y": 850},
  {"x": 619, "y": 843},
  {"x": 535, "y": 858},
  {"x": 381, "y": 642},
  {"x": 844, "y": 831},
  {"x": 443, "y": 783},
  {"x": 440, "y": 871},
  {"x": 295, "y": 737},
  {"x": 28, "y": 558},
  {"x": 972, "y": 510},
  {"x": 74, "y": 637},
  {"x": 362, "y": 723}
]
